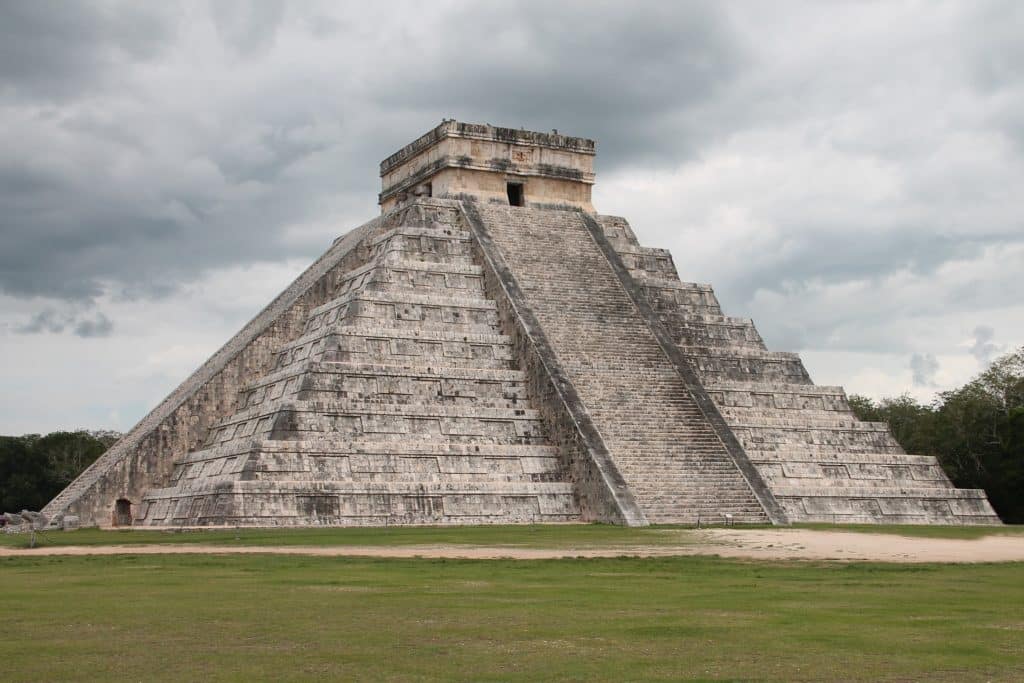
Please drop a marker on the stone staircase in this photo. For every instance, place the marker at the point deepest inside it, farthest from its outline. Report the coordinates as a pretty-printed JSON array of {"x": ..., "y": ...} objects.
[
  {"x": 820, "y": 462},
  {"x": 674, "y": 462},
  {"x": 399, "y": 403}
]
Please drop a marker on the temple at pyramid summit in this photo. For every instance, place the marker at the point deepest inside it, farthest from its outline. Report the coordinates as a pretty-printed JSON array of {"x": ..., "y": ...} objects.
[{"x": 490, "y": 349}]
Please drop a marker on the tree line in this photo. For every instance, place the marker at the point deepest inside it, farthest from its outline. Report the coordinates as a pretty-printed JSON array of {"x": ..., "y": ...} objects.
[
  {"x": 35, "y": 468},
  {"x": 976, "y": 432}
]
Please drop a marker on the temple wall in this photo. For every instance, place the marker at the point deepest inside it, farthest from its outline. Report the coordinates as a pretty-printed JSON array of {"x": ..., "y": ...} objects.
[{"x": 465, "y": 160}]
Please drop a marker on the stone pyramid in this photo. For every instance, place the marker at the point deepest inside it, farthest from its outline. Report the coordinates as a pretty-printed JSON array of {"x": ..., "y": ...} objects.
[{"x": 490, "y": 350}]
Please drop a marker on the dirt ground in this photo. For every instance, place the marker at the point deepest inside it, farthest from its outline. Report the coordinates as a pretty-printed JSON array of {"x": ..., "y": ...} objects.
[{"x": 760, "y": 544}]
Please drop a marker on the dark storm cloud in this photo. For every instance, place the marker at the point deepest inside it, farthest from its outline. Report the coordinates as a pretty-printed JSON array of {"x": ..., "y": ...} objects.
[
  {"x": 100, "y": 326},
  {"x": 233, "y": 123},
  {"x": 121, "y": 191},
  {"x": 635, "y": 77},
  {"x": 54, "y": 322},
  {"x": 56, "y": 50}
]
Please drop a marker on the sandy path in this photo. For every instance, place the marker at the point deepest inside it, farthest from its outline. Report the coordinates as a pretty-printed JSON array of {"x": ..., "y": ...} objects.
[
  {"x": 807, "y": 544},
  {"x": 764, "y": 544}
]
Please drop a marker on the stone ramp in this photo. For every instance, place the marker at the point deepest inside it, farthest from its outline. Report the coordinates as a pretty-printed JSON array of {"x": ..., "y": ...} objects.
[
  {"x": 821, "y": 463},
  {"x": 671, "y": 457}
]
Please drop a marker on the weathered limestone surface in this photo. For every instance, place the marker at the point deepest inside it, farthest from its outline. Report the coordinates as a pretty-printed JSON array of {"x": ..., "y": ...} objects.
[
  {"x": 147, "y": 453},
  {"x": 460, "y": 160},
  {"x": 820, "y": 462},
  {"x": 489, "y": 350},
  {"x": 601, "y": 490},
  {"x": 674, "y": 462},
  {"x": 399, "y": 402}
]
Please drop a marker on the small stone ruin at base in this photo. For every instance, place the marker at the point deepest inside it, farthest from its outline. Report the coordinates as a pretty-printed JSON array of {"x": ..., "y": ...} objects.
[{"x": 491, "y": 350}]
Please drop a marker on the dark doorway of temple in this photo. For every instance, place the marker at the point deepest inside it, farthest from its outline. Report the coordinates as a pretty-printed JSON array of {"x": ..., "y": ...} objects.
[
  {"x": 123, "y": 512},
  {"x": 515, "y": 194}
]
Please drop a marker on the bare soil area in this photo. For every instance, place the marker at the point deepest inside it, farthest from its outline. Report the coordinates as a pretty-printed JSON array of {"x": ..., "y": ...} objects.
[{"x": 759, "y": 544}]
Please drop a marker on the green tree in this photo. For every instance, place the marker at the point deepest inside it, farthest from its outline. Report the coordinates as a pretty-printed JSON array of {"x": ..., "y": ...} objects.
[
  {"x": 24, "y": 478},
  {"x": 984, "y": 437},
  {"x": 864, "y": 408},
  {"x": 34, "y": 468},
  {"x": 976, "y": 432},
  {"x": 68, "y": 453}
]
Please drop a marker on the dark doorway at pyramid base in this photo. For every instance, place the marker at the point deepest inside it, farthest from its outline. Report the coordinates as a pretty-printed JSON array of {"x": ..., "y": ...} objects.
[{"x": 123, "y": 512}]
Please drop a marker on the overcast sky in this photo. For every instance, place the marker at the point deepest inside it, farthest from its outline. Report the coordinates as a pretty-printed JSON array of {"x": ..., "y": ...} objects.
[{"x": 850, "y": 175}]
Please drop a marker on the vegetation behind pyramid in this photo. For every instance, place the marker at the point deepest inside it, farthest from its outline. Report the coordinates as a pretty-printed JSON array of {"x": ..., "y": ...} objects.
[{"x": 491, "y": 350}]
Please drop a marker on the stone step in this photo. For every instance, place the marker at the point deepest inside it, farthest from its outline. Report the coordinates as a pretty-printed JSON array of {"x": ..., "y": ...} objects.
[
  {"x": 331, "y": 487},
  {"x": 443, "y": 233},
  {"x": 910, "y": 505},
  {"x": 922, "y": 492},
  {"x": 375, "y": 370},
  {"x": 725, "y": 337},
  {"x": 434, "y": 248},
  {"x": 398, "y": 271},
  {"x": 794, "y": 418},
  {"x": 696, "y": 496},
  {"x": 778, "y": 426},
  {"x": 335, "y": 444},
  {"x": 860, "y": 445},
  {"x": 398, "y": 264},
  {"x": 696, "y": 501},
  {"x": 820, "y": 440},
  {"x": 395, "y": 320},
  {"x": 694, "y": 468},
  {"x": 369, "y": 328},
  {"x": 457, "y": 397},
  {"x": 839, "y": 486},
  {"x": 835, "y": 456},
  {"x": 346, "y": 407},
  {"x": 650, "y": 262},
  {"x": 774, "y": 388},
  {"x": 783, "y": 396},
  {"x": 675, "y": 303},
  {"x": 456, "y": 326},
  {"x": 715, "y": 518},
  {"x": 404, "y": 296},
  {"x": 340, "y": 470},
  {"x": 284, "y": 503},
  {"x": 741, "y": 354}
]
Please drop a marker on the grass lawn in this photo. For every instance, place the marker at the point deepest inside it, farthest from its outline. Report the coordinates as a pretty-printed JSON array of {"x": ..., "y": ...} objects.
[
  {"x": 532, "y": 536},
  {"x": 186, "y": 617}
]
